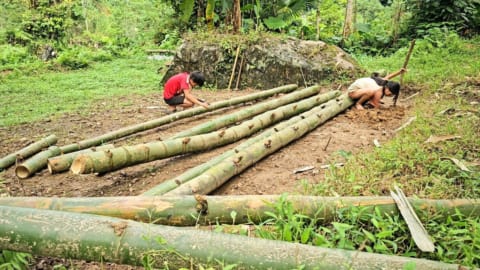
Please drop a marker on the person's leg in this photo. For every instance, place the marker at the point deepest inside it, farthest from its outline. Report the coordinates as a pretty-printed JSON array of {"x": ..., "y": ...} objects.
[
  {"x": 174, "y": 102},
  {"x": 361, "y": 96}
]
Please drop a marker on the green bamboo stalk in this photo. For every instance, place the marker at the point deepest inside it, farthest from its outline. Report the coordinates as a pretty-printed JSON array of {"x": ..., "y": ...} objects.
[
  {"x": 173, "y": 183},
  {"x": 164, "y": 120},
  {"x": 26, "y": 152},
  {"x": 62, "y": 163},
  {"x": 220, "y": 173},
  {"x": 238, "y": 116},
  {"x": 190, "y": 210},
  {"x": 36, "y": 162},
  {"x": 120, "y": 157},
  {"x": 105, "y": 239}
]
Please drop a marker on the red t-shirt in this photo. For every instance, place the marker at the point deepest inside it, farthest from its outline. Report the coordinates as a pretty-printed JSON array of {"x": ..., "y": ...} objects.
[{"x": 175, "y": 85}]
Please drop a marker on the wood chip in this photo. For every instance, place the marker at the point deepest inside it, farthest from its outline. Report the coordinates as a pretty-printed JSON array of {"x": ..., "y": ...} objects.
[
  {"x": 458, "y": 163},
  {"x": 437, "y": 139},
  {"x": 304, "y": 169}
]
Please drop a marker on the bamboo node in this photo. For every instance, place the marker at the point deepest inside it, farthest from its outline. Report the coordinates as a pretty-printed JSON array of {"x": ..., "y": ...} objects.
[
  {"x": 251, "y": 126},
  {"x": 268, "y": 144},
  {"x": 295, "y": 128},
  {"x": 178, "y": 182},
  {"x": 237, "y": 160},
  {"x": 186, "y": 140},
  {"x": 221, "y": 133},
  {"x": 202, "y": 204},
  {"x": 119, "y": 228}
]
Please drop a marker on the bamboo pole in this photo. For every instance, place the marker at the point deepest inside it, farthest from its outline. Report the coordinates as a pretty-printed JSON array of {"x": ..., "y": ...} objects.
[
  {"x": 105, "y": 239},
  {"x": 62, "y": 163},
  {"x": 37, "y": 162},
  {"x": 249, "y": 112},
  {"x": 188, "y": 210},
  {"x": 120, "y": 157},
  {"x": 407, "y": 58},
  {"x": 233, "y": 68},
  {"x": 26, "y": 152},
  {"x": 167, "y": 119},
  {"x": 221, "y": 172},
  {"x": 173, "y": 183}
]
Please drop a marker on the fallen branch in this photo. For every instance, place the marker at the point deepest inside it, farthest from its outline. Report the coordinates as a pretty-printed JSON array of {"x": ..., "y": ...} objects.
[{"x": 409, "y": 121}]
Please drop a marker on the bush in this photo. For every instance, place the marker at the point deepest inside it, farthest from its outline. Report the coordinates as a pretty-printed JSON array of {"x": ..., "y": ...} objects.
[
  {"x": 11, "y": 55},
  {"x": 75, "y": 58}
]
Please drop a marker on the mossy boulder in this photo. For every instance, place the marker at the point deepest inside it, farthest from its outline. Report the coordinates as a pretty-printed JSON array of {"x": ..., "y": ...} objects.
[{"x": 263, "y": 62}]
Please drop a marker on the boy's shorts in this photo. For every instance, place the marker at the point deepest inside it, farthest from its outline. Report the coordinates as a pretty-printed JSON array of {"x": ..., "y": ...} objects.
[{"x": 176, "y": 100}]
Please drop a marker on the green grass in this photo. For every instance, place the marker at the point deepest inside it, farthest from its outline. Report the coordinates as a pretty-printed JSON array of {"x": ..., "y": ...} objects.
[
  {"x": 446, "y": 79},
  {"x": 27, "y": 98}
]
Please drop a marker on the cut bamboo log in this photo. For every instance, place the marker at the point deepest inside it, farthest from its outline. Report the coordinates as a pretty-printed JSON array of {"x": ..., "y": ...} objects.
[
  {"x": 249, "y": 112},
  {"x": 120, "y": 157},
  {"x": 167, "y": 119},
  {"x": 173, "y": 183},
  {"x": 28, "y": 151},
  {"x": 63, "y": 162},
  {"x": 206, "y": 210},
  {"x": 220, "y": 173},
  {"x": 105, "y": 239},
  {"x": 37, "y": 162}
]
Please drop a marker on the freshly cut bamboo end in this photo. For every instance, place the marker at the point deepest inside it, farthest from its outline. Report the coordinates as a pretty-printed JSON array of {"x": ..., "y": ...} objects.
[
  {"x": 22, "y": 172},
  {"x": 78, "y": 165},
  {"x": 50, "y": 166}
]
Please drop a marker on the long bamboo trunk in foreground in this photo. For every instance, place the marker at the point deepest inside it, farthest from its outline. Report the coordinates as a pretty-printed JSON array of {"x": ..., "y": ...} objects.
[
  {"x": 116, "y": 134},
  {"x": 173, "y": 183},
  {"x": 207, "y": 210},
  {"x": 120, "y": 157},
  {"x": 28, "y": 151},
  {"x": 221, "y": 172},
  {"x": 249, "y": 112},
  {"x": 97, "y": 238}
]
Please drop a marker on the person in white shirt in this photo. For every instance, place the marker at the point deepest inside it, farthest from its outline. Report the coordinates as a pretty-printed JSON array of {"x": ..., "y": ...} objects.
[{"x": 369, "y": 91}]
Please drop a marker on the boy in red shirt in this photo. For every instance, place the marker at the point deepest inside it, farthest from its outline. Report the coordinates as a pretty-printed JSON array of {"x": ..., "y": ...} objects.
[{"x": 178, "y": 90}]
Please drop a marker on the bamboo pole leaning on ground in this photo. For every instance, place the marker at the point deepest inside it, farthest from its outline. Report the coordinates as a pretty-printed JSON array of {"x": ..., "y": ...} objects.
[
  {"x": 221, "y": 172},
  {"x": 173, "y": 183},
  {"x": 42, "y": 162},
  {"x": 188, "y": 210},
  {"x": 28, "y": 151},
  {"x": 121, "y": 157},
  {"x": 248, "y": 112},
  {"x": 105, "y": 239}
]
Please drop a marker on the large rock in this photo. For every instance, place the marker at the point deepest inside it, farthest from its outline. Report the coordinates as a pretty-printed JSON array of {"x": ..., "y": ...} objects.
[{"x": 267, "y": 62}]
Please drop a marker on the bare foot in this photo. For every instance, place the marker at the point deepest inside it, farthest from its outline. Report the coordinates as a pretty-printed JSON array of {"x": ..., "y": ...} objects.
[{"x": 359, "y": 106}]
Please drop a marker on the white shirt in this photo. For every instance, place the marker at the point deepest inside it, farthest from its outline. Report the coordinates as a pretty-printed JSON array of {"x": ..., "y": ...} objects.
[{"x": 363, "y": 83}]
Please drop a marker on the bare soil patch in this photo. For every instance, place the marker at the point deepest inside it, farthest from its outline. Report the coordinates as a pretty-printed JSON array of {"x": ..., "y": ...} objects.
[{"x": 353, "y": 131}]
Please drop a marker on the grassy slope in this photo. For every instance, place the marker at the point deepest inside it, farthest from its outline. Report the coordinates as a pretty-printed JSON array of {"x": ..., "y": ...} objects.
[{"x": 28, "y": 98}]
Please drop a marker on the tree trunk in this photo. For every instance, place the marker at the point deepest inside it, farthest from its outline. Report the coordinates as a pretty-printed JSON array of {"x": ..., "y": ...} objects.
[
  {"x": 348, "y": 27},
  {"x": 206, "y": 210},
  {"x": 63, "y": 162},
  {"x": 209, "y": 13},
  {"x": 167, "y": 119},
  {"x": 120, "y": 157},
  {"x": 28, "y": 151},
  {"x": 105, "y": 239},
  {"x": 220, "y": 173},
  {"x": 251, "y": 111},
  {"x": 170, "y": 184},
  {"x": 237, "y": 17}
]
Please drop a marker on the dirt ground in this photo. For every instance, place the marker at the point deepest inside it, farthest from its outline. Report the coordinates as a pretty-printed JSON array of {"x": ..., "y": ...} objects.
[{"x": 353, "y": 131}]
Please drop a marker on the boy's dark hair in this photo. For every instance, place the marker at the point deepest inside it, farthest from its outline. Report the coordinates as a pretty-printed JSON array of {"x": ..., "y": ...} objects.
[
  {"x": 198, "y": 78},
  {"x": 394, "y": 87}
]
